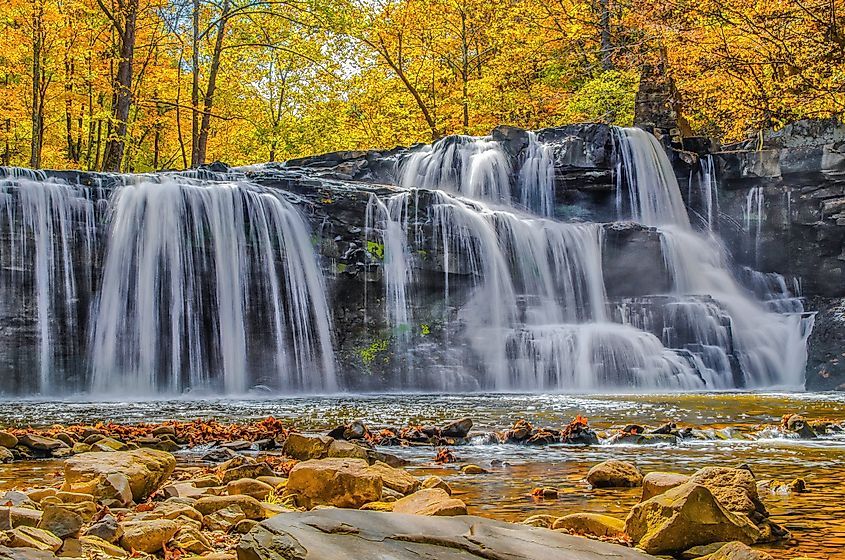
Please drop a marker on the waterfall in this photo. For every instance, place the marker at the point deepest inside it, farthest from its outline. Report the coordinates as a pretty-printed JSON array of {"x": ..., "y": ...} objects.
[
  {"x": 704, "y": 186},
  {"x": 754, "y": 215},
  {"x": 49, "y": 231},
  {"x": 209, "y": 285},
  {"x": 537, "y": 177}
]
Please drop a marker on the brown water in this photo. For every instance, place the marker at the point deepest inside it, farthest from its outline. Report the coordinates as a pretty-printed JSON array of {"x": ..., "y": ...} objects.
[{"x": 816, "y": 519}]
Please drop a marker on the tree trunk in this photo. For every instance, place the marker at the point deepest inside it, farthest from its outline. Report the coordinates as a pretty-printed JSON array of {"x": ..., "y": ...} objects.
[
  {"x": 195, "y": 84},
  {"x": 37, "y": 110},
  {"x": 122, "y": 100},
  {"x": 208, "y": 100},
  {"x": 606, "y": 43}
]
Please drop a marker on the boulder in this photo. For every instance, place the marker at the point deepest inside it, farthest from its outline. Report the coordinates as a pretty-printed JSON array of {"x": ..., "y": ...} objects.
[
  {"x": 355, "y": 430},
  {"x": 395, "y": 479},
  {"x": 338, "y": 482},
  {"x": 541, "y": 520},
  {"x": 6, "y": 456},
  {"x": 219, "y": 455},
  {"x": 249, "y": 487},
  {"x": 251, "y": 507},
  {"x": 248, "y": 470},
  {"x": 344, "y": 534},
  {"x": 41, "y": 445},
  {"x": 147, "y": 536},
  {"x": 63, "y": 523},
  {"x": 473, "y": 469},
  {"x": 431, "y": 501},
  {"x": 437, "y": 482},
  {"x": 591, "y": 524},
  {"x": 224, "y": 519},
  {"x": 685, "y": 516},
  {"x": 738, "y": 551},
  {"x": 11, "y": 517},
  {"x": 31, "y": 537},
  {"x": 96, "y": 544},
  {"x": 457, "y": 429},
  {"x": 107, "y": 529},
  {"x": 614, "y": 474},
  {"x": 192, "y": 540},
  {"x": 7, "y": 553},
  {"x": 304, "y": 448},
  {"x": 121, "y": 476},
  {"x": 655, "y": 483},
  {"x": 347, "y": 450},
  {"x": 736, "y": 489}
]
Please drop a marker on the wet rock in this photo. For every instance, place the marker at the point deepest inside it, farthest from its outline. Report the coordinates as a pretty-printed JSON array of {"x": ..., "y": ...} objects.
[
  {"x": 7, "y": 553},
  {"x": 798, "y": 425},
  {"x": 643, "y": 439},
  {"x": 519, "y": 432},
  {"x": 738, "y": 551},
  {"x": 345, "y": 483},
  {"x": 107, "y": 529},
  {"x": 591, "y": 524},
  {"x": 378, "y": 506},
  {"x": 147, "y": 536},
  {"x": 355, "y": 430},
  {"x": 219, "y": 455},
  {"x": 343, "y": 534},
  {"x": 224, "y": 519},
  {"x": 191, "y": 540},
  {"x": 457, "y": 429},
  {"x": 305, "y": 448},
  {"x": 249, "y": 470},
  {"x": 655, "y": 483},
  {"x": 347, "y": 450},
  {"x": 63, "y": 523},
  {"x": 473, "y": 469},
  {"x": 109, "y": 444},
  {"x": 7, "y": 440},
  {"x": 6, "y": 456},
  {"x": 685, "y": 516},
  {"x": 395, "y": 479},
  {"x": 164, "y": 430},
  {"x": 238, "y": 445},
  {"x": 614, "y": 474},
  {"x": 245, "y": 526},
  {"x": 542, "y": 520},
  {"x": 735, "y": 489},
  {"x": 31, "y": 537},
  {"x": 249, "y": 487},
  {"x": 15, "y": 498},
  {"x": 702, "y": 550},
  {"x": 40, "y": 445},
  {"x": 251, "y": 507},
  {"x": 437, "y": 482},
  {"x": 431, "y": 501},
  {"x": 121, "y": 476},
  {"x": 11, "y": 517}
]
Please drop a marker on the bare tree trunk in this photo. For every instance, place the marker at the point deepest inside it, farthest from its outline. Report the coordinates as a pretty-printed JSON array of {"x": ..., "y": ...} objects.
[
  {"x": 195, "y": 84},
  {"x": 122, "y": 100},
  {"x": 37, "y": 113},
  {"x": 606, "y": 42},
  {"x": 72, "y": 153},
  {"x": 208, "y": 100}
]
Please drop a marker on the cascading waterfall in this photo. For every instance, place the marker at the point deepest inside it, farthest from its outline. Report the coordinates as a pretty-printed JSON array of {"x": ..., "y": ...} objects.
[
  {"x": 198, "y": 277},
  {"x": 537, "y": 177},
  {"x": 704, "y": 183},
  {"x": 48, "y": 226},
  {"x": 753, "y": 220},
  {"x": 771, "y": 348}
]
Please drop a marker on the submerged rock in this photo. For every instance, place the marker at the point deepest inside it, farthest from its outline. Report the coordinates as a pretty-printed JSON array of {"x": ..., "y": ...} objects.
[
  {"x": 337, "y": 534},
  {"x": 613, "y": 473}
]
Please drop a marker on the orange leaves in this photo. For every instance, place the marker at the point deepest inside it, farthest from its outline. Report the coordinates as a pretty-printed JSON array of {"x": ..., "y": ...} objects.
[{"x": 445, "y": 455}]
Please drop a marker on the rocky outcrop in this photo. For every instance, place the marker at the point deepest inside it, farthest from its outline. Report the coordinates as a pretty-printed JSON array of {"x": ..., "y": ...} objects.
[
  {"x": 349, "y": 534},
  {"x": 121, "y": 476},
  {"x": 345, "y": 483}
]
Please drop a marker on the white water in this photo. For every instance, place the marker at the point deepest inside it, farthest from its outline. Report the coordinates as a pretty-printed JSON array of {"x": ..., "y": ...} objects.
[{"x": 172, "y": 243}]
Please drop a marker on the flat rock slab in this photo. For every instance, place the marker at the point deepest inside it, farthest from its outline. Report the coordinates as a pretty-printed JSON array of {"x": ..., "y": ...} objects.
[{"x": 345, "y": 534}]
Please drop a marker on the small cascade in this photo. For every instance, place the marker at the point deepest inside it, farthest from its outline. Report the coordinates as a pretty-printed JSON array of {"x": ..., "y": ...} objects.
[
  {"x": 477, "y": 168},
  {"x": 753, "y": 221},
  {"x": 49, "y": 233},
  {"x": 646, "y": 189},
  {"x": 537, "y": 177},
  {"x": 209, "y": 285},
  {"x": 703, "y": 192}
]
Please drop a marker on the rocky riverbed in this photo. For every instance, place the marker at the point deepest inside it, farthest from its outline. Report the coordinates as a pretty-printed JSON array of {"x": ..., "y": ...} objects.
[{"x": 261, "y": 490}]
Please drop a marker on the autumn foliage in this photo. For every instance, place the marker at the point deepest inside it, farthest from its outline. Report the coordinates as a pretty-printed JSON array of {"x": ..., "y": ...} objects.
[{"x": 140, "y": 85}]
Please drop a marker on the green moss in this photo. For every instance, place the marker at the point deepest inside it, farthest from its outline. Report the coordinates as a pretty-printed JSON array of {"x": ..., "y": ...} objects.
[
  {"x": 369, "y": 355},
  {"x": 425, "y": 329},
  {"x": 376, "y": 249},
  {"x": 341, "y": 267}
]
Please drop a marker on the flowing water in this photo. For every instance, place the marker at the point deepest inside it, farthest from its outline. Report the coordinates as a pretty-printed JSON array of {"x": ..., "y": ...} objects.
[{"x": 741, "y": 428}]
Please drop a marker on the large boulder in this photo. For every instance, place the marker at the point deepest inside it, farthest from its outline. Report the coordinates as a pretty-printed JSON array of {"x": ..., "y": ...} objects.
[
  {"x": 305, "y": 448},
  {"x": 7, "y": 440},
  {"x": 344, "y": 534},
  {"x": 655, "y": 483},
  {"x": 346, "y": 483},
  {"x": 457, "y": 429},
  {"x": 683, "y": 517},
  {"x": 614, "y": 474},
  {"x": 736, "y": 489},
  {"x": 61, "y": 521},
  {"x": 431, "y": 501},
  {"x": 119, "y": 476},
  {"x": 395, "y": 479}
]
